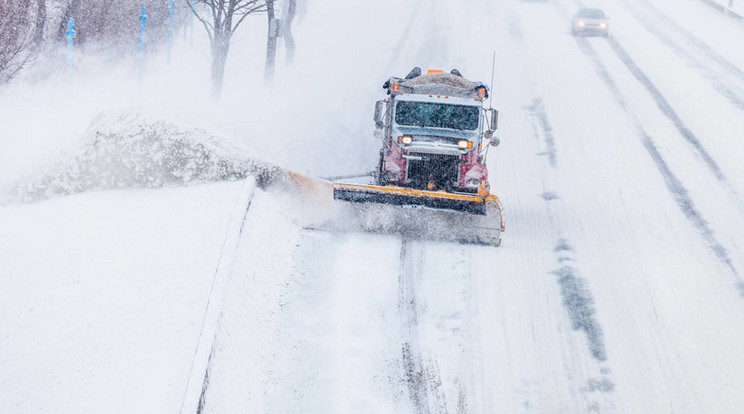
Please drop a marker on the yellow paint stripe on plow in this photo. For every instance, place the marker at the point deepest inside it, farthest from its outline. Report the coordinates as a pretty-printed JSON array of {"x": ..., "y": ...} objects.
[{"x": 411, "y": 192}]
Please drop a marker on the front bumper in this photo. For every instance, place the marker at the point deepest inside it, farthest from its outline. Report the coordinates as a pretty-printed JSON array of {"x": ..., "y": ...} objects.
[{"x": 591, "y": 30}]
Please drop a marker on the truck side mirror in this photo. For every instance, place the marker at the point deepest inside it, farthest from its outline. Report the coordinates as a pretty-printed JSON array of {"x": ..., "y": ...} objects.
[
  {"x": 494, "y": 142},
  {"x": 378, "y": 113},
  {"x": 494, "y": 119}
]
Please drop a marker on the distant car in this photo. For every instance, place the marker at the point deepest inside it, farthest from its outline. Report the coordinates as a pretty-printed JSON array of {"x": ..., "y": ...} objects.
[{"x": 590, "y": 22}]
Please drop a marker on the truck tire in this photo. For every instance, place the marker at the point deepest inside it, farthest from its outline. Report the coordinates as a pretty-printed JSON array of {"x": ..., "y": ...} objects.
[{"x": 380, "y": 170}]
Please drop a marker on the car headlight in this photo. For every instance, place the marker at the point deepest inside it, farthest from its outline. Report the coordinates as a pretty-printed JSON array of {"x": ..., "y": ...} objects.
[
  {"x": 465, "y": 144},
  {"x": 603, "y": 25},
  {"x": 582, "y": 23},
  {"x": 405, "y": 140}
]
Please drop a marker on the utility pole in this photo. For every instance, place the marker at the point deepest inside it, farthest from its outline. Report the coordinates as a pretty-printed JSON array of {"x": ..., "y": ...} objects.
[
  {"x": 70, "y": 44},
  {"x": 143, "y": 19},
  {"x": 170, "y": 27}
]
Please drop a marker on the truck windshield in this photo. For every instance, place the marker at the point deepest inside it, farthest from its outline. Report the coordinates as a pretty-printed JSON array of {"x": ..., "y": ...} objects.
[
  {"x": 424, "y": 114},
  {"x": 591, "y": 14}
]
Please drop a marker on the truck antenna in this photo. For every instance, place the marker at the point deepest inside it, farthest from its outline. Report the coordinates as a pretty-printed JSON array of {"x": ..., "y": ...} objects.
[{"x": 493, "y": 70}]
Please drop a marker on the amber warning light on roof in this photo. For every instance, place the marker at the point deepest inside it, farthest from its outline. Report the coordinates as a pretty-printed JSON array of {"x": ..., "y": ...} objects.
[{"x": 434, "y": 71}]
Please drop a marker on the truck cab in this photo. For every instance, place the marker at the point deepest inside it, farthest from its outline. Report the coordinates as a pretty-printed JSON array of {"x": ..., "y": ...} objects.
[{"x": 434, "y": 129}]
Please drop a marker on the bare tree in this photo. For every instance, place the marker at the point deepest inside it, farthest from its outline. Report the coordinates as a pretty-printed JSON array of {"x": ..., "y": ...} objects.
[
  {"x": 289, "y": 41},
  {"x": 270, "y": 42},
  {"x": 221, "y": 19},
  {"x": 41, "y": 18},
  {"x": 21, "y": 31}
]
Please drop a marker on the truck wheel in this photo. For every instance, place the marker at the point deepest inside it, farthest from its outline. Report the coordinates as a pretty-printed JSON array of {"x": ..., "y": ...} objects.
[{"x": 380, "y": 170}]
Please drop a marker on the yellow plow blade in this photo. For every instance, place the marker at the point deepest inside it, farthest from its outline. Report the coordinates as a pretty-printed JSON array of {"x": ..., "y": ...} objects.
[
  {"x": 468, "y": 203},
  {"x": 474, "y": 218}
]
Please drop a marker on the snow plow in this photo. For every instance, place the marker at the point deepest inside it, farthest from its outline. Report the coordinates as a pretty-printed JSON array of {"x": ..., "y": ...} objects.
[{"x": 435, "y": 132}]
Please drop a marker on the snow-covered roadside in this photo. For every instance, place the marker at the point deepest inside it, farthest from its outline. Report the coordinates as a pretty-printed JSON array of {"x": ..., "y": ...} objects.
[{"x": 103, "y": 296}]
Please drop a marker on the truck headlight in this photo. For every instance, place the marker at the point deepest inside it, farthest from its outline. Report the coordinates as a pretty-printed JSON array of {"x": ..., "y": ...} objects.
[
  {"x": 603, "y": 25},
  {"x": 473, "y": 183},
  {"x": 465, "y": 144},
  {"x": 405, "y": 140},
  {"x": 582, "y": 23}
]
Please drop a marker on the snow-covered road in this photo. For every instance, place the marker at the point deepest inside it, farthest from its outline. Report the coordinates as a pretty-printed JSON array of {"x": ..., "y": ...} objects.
[{"x": 619, "y": 286}]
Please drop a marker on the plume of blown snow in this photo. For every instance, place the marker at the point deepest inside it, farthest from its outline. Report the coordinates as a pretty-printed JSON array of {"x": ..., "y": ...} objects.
[{"x": 131, "y": 149}]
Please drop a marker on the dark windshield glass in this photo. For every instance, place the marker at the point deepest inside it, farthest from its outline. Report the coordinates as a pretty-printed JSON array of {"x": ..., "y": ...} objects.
[
  {"x": 591, "y": 14},
  {"x": 424, "y": 114}
]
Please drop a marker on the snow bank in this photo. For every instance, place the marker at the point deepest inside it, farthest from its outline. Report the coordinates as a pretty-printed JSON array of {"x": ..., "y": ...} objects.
[
  {"x": 130, "y": 149},
  {"x": 103, "y": 295}
]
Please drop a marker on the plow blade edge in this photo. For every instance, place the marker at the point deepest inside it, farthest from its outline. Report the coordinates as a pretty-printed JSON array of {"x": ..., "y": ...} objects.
[
  {"x": 407, "y": 196},
  {"x": 477, "y": 218}
]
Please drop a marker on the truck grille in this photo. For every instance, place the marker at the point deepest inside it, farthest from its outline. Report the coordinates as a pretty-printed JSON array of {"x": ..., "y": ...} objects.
[{"x": 442, "y": 170}]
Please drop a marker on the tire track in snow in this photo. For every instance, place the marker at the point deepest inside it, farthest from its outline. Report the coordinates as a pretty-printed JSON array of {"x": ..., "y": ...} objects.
[
  {"x": 674, "y": 185},
  {"x": 438, "y": 343},
  {"x": 666, "y": 108},
  {"x": 695, "y": 41},
  {"x": 537, "y": 111},
  {"x": 726, "y": 90},
  {"x": 421, "y": 374},
  {"x": 578, "y": 301},
  {"x": 576, "y": 297},
  {"x": 414, "y": 375}
]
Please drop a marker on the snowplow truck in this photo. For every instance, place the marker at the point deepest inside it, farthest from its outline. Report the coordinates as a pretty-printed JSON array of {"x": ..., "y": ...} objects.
[{"x": 435, "y": 132}]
